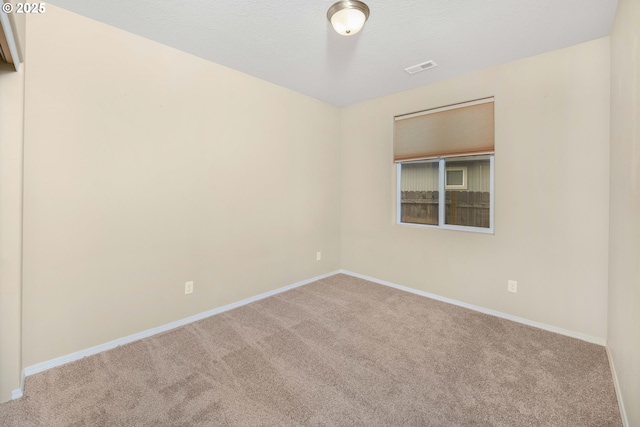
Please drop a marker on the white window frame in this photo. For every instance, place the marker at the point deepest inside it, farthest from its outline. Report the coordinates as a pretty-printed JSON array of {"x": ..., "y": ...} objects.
[{"x": 442, "y": 197}]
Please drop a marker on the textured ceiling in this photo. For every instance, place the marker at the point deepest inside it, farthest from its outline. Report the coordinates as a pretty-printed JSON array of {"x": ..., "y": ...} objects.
[{"x": 291, "y": 43}]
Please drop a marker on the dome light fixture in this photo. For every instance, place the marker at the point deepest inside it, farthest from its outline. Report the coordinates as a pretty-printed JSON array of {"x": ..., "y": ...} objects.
[{"x": 348, "y": 16}]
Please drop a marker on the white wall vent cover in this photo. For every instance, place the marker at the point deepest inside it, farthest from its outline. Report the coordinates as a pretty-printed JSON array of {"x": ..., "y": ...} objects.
[{"x": 421, "y": 67}]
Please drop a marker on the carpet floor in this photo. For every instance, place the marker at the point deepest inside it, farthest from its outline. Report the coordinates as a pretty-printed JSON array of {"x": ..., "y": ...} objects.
[{"x": 337, "y": 352}]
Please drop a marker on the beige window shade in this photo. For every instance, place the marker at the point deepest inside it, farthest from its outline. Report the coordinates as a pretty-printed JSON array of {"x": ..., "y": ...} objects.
[{"x": 456, "y": 130}]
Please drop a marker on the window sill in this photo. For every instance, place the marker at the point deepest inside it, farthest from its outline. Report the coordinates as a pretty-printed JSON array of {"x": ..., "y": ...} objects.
[{"x": 449, "y": 227}]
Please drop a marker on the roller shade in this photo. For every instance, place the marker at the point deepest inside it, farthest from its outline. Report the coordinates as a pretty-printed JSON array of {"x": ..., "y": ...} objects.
[{"x": 455, "y": 130}]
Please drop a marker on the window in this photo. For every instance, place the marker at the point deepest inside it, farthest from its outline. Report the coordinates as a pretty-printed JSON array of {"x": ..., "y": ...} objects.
[
  {"x": 445, "y": 162},
  {"x": 456, "y": 178}
]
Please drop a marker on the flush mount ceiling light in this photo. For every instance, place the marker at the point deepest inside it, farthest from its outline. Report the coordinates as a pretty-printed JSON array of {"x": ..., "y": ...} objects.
[{"x": 348, "y": 17}]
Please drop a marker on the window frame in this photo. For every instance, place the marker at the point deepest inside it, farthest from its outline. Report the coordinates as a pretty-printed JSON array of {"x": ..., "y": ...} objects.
[{"x": 442, "y": 195}]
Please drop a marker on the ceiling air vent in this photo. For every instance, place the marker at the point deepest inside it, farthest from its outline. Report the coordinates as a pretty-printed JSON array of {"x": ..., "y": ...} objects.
[{"x": 421, "y": 67}]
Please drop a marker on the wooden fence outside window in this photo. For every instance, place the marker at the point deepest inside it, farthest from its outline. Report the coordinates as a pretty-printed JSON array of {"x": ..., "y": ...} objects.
[{"x": 468, "y": 208}]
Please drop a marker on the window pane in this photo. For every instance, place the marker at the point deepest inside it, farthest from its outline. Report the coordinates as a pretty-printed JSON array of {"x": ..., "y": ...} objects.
[
  {"x": 419, "y": 193},
  {"x": 470, "y": 206},
  {"x": 455, "y": 177}
]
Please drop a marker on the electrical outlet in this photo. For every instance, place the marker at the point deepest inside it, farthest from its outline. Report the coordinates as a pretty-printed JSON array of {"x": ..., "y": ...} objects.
[
  {"x": 512, "y": 286},
  {"x": 188, "y": 288},
  {"x": 318, "y": 256}
]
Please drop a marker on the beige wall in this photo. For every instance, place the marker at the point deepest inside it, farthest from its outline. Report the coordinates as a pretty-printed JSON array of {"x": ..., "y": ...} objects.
[
  {"x": 146, "y": 167},
  {"x": 11, "y": 137},
  {"x": 11, "y": 99},
  {"x": 551, "y": 193},
  {"x": 624, "y": 231}
]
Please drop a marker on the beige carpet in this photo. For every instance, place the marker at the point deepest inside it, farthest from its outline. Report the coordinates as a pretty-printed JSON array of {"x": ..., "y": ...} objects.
[{"x": 338, "y": 352}]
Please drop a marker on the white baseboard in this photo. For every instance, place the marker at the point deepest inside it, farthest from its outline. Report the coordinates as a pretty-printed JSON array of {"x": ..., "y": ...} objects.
[
  {"x": 58, "y": 361},
  {"x": 16, "y": 394},
  {"x": 616, "y": 384},
  {"x": 578, "y": 335}
]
